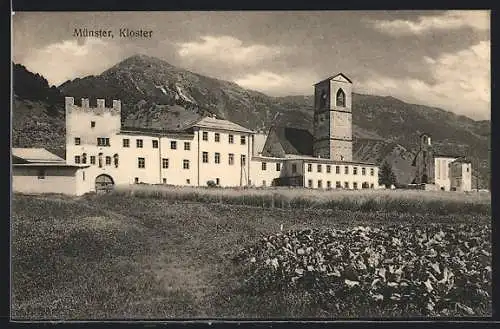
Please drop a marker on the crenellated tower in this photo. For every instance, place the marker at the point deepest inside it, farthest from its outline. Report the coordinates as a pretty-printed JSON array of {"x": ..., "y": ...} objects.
[{"x": 88, "y": 126}]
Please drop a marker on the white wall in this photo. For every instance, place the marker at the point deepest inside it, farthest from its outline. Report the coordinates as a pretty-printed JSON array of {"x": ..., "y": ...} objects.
[
  {"x": 229, "y": 175},
  {"x": 442, "y": 172},
  {"x": 57, "y": 180},
  {"x": 341, "y": 177},
  {"x": 175, "y": 174},
  {"x": 265, "y": 177}
]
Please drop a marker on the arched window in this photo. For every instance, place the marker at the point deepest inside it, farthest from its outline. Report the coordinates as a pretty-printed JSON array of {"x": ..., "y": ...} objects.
[
  {"x": 100, "y": 160},
  {"x": 115, "y": 157},
  {"x": 84, "y": 158},
  {"x": 340, "y": 98}
]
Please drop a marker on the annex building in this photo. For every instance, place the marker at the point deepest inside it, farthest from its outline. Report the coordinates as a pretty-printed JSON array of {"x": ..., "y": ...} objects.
[
  {"x": 438, "y": 171},
  {"x": 211, "y": 149}
]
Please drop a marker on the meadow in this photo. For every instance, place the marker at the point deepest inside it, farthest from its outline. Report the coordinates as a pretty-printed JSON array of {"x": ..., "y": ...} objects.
[{"x": 156, "y": 252}]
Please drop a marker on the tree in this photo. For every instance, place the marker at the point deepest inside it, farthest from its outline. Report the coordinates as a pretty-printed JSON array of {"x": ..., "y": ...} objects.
[{"x": 386, "y": 176}]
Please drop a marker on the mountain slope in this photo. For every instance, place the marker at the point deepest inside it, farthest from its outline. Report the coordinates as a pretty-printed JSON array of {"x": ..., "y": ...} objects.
[{"x": 155, "y": 94}]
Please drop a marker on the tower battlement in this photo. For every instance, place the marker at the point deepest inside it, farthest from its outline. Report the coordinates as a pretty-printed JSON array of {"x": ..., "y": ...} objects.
[{"x": 100, "y": 107}]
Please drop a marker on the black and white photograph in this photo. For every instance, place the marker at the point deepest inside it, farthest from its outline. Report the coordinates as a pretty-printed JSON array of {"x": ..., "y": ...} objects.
[{"x": 265, "y": 165}]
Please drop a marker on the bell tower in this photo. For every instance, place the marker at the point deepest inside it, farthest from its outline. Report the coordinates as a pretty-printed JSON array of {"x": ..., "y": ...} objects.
[{"x": 333, "y": 118}]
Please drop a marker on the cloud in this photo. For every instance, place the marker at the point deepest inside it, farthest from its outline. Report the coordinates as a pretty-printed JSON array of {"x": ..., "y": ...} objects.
[
  {"x": 296, "y": 83},
  {"x": 478, "y": 20},
  {"x": 226, "y": 49},
  {"x": 462, "y": 82},
  {"x": 68, "y": 59}
]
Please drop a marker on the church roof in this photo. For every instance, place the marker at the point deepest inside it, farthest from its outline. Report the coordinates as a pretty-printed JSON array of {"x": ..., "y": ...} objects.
[
  {"x": 288, "y": 140},
  {"x": 334, "y": 76}
]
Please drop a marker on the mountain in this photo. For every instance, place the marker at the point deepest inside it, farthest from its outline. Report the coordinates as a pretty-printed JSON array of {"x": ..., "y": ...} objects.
[
  {"x": 155, "y": 93},
  {"x": 37, "y": 112}
]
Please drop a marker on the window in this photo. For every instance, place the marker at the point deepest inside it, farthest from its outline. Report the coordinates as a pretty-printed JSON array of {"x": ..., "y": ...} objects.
[
  {"x": 263, "y": 183},
  {"x": 217, "y": 181},
  {"x": 310, "y": 183},
  {"x": 278, "y": 167},
  {"x": 188, "y": 181},
  {"x": 231, "y": 158},
  {"x": 231, "y": 139},
  {"x": 83, "y": 175},
  {"x": 77, "y": 141},
  {"x": 108, "y": 161},
  {"x": 243, "y": 140},
  {"x": 328, "y": 169},
  {"x": 328, "y": 184},
  {"x": 187, "y": 146},
  {"x": 205, "y": 136},
  {"x": 41, "y": 174},
  {"x": 185, "y": 164},
  {"x": 243, "y": 160},
  {"x": 141, "y": 163},
  {"x": 100, "y": 160},
  {"x": 164, "y": 163},
  {"x": 126, "y": 142},
  {"x": 346, "y": 184},
  {"x": 92, "y": 124},
  {"x": 84, "y": 158},
  {"x": 77, "y": 159},
  {"x": 319, "y": 168},
  {"x": 264, "y": 166},
  {"x": 309, "y": 167},
  {"x": 363, "y": 171},
  {"x": 340, "y": 98},
  {"x": 138, "y": 143},
  {"x": 164, "y": 181},
  {"x": 355, "y": 185},
  {"x": 371, "y": 185},
  {"x": 205, "y": 157},
  {"x": 115, "y": 157},
  {"x": 346, "y": 170},
  {"x": 217, "y": 137},
  {"x": 101, "y": 141},
  {"x": 337, "y": 184},
  {"x": 217, "y": 157},
  {"x": 294, "y": 168},
  {"x": 372, "y": 172},
  {"x": 337, "y": 169},
  {"x": 173, "y": 145},
  {"x": 320, "y": 183},
  {"x": 467, "y": 169},
  {"x": 136, "y": 180},
  {"x": 155, "y": 144},
  {"x": 92, "y": 159},
  {"x": 355, "y": 170}
]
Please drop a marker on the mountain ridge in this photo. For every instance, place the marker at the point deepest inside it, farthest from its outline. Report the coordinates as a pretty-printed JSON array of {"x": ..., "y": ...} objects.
[{"x": 384, "y": 127}]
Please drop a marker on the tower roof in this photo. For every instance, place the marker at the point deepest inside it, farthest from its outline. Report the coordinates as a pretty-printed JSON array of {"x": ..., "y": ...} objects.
[{"x": 333, "y": 77}]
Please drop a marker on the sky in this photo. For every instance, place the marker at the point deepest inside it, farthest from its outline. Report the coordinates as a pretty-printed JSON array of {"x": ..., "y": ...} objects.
[{"x": 434, "y": 58}]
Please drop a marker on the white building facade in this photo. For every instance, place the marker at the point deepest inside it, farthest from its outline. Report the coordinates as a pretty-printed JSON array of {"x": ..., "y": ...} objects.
[{"x": 215, "y": 150}]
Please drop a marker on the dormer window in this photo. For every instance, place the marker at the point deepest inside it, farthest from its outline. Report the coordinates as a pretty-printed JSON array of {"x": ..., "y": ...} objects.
[{"x": 340, "y": 98}]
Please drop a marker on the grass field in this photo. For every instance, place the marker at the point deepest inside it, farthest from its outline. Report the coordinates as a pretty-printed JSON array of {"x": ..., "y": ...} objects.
[{"x": 161, "y": 253}]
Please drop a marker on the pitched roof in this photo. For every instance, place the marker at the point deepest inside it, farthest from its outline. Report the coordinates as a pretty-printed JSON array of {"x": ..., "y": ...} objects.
[
  {"x": 38, "y": 155},
  {"x": 462, "y": 160},
  {"x": 214, "y": 123},
  {"x": 259, "y": 140},
  {"x": 334, "y": 76},
  {"x": 288, "y": 140}
]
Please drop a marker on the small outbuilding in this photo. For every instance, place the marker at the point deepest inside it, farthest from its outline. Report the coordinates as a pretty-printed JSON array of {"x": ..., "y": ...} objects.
[{"x": 36, "y": 170}]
